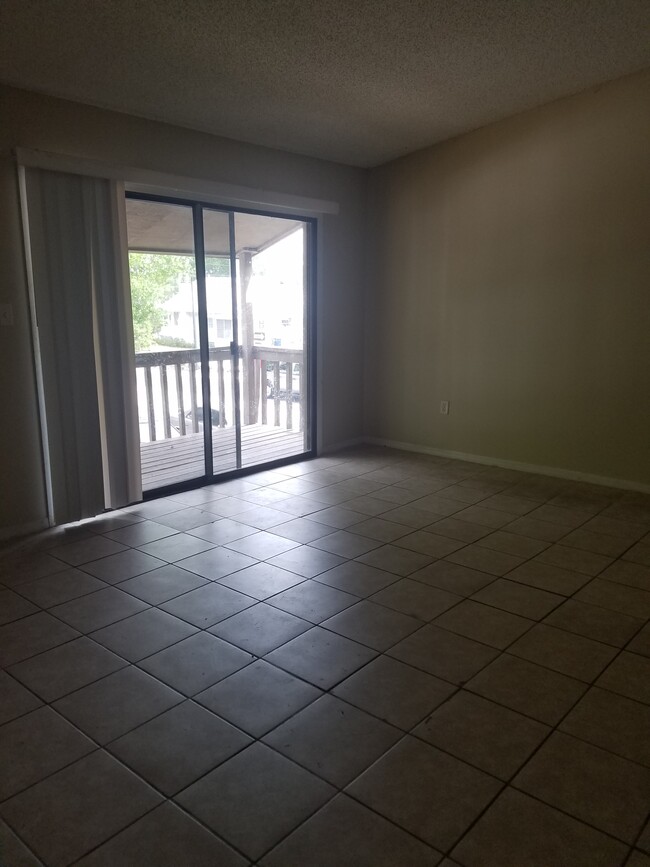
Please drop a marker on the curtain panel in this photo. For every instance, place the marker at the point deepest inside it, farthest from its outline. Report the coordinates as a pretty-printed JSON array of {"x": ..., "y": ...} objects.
[{"x": 78, "y": 269}]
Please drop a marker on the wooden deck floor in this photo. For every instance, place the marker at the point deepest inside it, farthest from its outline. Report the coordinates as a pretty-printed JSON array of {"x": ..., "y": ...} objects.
[{"x": 167, "y": 462}]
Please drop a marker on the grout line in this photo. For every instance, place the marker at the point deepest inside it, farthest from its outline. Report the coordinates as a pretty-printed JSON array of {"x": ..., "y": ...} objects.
[{"x": 397, "y": 578}]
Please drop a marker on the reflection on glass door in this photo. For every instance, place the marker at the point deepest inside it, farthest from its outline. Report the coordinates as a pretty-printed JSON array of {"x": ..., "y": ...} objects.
[
  {"x": 166, "y": 333},
  {"x": 272, "y": 306}
]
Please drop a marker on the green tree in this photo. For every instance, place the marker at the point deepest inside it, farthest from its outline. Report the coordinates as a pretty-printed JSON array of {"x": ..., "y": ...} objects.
[
  {"x": 154, "y": 280},
  {"x": 217, "y": 266}
]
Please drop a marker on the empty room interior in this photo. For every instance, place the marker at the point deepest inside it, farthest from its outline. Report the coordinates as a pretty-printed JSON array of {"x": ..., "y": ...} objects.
[{"x": 325, "y": 441}]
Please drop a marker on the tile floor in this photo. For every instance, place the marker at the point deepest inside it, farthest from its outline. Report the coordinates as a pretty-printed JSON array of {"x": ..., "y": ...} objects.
[{"x": 374, "y": 658}]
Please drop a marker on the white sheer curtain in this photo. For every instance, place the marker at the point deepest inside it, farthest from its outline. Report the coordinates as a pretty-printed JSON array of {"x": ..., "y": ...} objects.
[{"x": 78, "y": 267}]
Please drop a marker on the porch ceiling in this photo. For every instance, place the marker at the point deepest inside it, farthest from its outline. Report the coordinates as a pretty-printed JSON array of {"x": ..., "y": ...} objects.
[{"x": 159, "y": 227}]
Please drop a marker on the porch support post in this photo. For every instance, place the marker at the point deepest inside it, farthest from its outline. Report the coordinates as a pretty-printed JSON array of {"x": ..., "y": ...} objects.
[{"x": 250, "y": 381}]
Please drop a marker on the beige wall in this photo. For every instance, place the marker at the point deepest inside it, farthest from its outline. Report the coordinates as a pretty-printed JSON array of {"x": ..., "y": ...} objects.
[
  {"x": 33, "y": 121},
  {"x": 509, "y": 273}
]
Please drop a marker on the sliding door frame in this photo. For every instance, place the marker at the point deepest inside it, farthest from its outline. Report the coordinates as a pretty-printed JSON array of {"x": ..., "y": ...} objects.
[{"x": 310, "y": 267}]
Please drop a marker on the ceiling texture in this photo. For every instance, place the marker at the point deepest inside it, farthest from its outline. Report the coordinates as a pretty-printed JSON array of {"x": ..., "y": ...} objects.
[{"x": 355, "y": 81}]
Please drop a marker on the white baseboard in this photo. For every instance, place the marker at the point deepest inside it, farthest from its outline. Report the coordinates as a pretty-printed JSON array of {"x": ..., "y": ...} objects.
[
  {"x": 554, "y": 472},
  {"x": 15, "y": 532},
  {"x": 344, "y": 444}
]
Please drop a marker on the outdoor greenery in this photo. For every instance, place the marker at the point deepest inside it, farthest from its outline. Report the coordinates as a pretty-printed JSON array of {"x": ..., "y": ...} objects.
[{"x": 154, "y": 279}]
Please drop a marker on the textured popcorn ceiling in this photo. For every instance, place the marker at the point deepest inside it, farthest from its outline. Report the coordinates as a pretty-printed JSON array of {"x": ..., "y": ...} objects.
[{"x": 356, "y": 81}]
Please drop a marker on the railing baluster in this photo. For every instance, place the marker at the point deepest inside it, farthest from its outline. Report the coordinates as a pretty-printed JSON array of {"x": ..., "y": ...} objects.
[
  {"x": 221, "y": 388},
  {"x": 195, "y": 414},
  {"x": 179, "y": 399},
  {"x": 289, "y": 393},
  {"x": 276, "y": 392},
  {"x": 165, "y": 401},
  {"x": 263, "y": 390},
  {"x": 185, "y": 362},
  {"x": 150, "y": 411},
  {"x": 301, "y": 382}
]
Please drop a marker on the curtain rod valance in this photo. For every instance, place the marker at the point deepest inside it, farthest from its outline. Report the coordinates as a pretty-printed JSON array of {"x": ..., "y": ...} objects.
[{"x": 148, "y": 181}]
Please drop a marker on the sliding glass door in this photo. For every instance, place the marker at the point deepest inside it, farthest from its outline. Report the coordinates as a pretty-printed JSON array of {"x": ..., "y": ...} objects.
[
  {"x": 272, "y": 303},
  {"x": 221, "y": 321}
]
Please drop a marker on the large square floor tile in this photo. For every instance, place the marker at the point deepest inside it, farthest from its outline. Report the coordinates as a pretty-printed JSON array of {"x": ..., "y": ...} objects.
[
  {"x": 563, "y": 651},
  {"x": 141, "y": 533},
  {"x": 456, "y": 579},
  {"x": 357, "y": 578},
  {"x": 34, "y": 746},
  {"x": 527, "y": 688},
  {"x": 302, "y": 530},
  {"x": 85, "y": 550},
  {"x": 15, "y": 700},
  {"x": 262, "y": 545},
  {"x": 426, "y": 542},
  {"x": 333, "y": 739},
  {"x": 395, "y": 692},
  {"x": 254, "y": 799},
  {"x": 143, "y": 634},
  {"x": 518, "y": 830},
  {"x": 629, "y": 675},
  {"x": 207, "y": 605},
  {"x": 60, "y": 587},
  {"x": 217, "y": 562},
  {"x": 612, "y": 722},
  {"x": 321, "y": 657},
  {"x": 162, "y": 584},
  {"x": 595, "y": 622},
  {"x": 345, "y": 543},
  {"x": 485, "y": 734},
  {"x": 426, "y": 792},
  {"x": 307, "y": 561},
  {"x": 416, "y": 599},
  {"x": 186, "y": 519},
  {"x": 345, "y": 832},
  {"x": 176, "y": 547},
  {"x": 98, "y": 609},
  {"x": 222, "y": 531},
  {"x": 261, "y": 628},
  {"x": 518, "y": 598},
  {"x": 258, "y": 698},
  {"x": 591, "y": 784},
  {"x": 167, "y": 835},
  {"x": 31, "y": 635},
  {"x": 66, "y": 668},
  {"x": 261, "y": 580},
  {"x": 114, "y": 705},
  {"x": 312, "y": 601},
  {"x": 484, "y": 559},
  {"x": 76, "y": 809},
  {"x": 399, "y": 561},
  {"x": 13, "y": 607},
  {"x": 443, "y": 654},
  {"x": 483, "y": 623},
  {"x": 120, "y": 567},
  {"x": 196, "y": 663},
  {"x": 373, "y": 625},
  {"x": 616, "y": 597},
  {"x": 179, "y": 746},
  {"x": 14, "y": 852}
]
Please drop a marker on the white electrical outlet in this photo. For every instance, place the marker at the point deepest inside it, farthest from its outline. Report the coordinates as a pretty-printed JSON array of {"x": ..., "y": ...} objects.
[{"x": 444, "y": 407}]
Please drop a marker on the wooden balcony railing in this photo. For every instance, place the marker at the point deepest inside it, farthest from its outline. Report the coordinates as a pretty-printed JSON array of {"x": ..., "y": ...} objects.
[{"x": 265, "y": 384}]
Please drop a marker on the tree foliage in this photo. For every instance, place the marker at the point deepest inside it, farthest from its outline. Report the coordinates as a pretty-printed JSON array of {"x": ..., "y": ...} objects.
[{"x": 155, "y": 278}]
